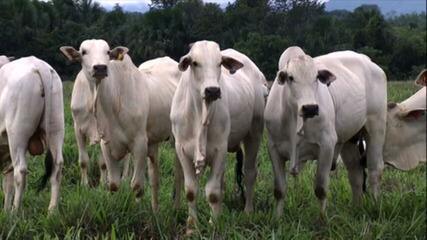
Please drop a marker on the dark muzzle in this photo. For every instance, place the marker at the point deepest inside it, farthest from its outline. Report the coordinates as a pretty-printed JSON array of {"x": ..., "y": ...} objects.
[
  {"x": 100, "y": 71},
  {"x": 212, "y": 93},
  {"x": 309, "y": 111}
]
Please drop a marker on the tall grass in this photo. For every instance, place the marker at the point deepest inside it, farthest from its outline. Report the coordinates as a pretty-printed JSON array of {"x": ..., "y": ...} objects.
[{"x": 95, "y": 213}]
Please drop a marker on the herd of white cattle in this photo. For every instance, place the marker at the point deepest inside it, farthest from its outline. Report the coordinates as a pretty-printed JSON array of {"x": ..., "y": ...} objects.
[{"x": 210, "y": 103}]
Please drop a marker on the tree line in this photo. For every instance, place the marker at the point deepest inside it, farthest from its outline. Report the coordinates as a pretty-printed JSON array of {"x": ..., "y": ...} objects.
[{"x": 262, "y": 29}]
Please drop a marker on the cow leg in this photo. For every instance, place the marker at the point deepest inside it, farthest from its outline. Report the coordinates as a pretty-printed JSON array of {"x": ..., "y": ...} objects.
[
  {"x": 251, "y": 146},
  {"x": 139, "y": 157},
  {"x": 83, "y": 155},
  {"x": 375, "y": 142},
  {"x": 351, "y": 157},
  {"x": 126, "y": 167},
  {"x": 214, "y": 184},
  {"x": 190, "y": 186},
  {"x": 153, "y": 173},
  {"x": 179, "y": 178},
  {"x": 55, "y": 146},
  {"x": 280, "y": 182},
  {"x": 326, "y": 154},
  {"x": 17, "y": 154},
  {"x": 113, "y": 167},
  {"x": 8, "y": 190},
  {"x": 102, "y": 170}
]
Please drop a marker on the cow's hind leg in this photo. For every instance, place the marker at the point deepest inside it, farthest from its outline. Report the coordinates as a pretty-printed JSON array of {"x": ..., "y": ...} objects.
[
  {"x": 351, "y": 157},
  {"x": 17, "y": 154},
  {"x": 251, "y": 146},
  {"x": 55, "y": 146},
  {"x": 153, "y": 173},
  {"x": 83, "y": 155}
]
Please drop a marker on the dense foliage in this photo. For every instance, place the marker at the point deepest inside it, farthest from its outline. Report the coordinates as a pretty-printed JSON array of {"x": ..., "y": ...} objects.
[{"x": 262, "y": 29}]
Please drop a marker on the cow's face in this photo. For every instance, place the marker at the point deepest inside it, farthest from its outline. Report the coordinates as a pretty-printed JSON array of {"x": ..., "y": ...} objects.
[
  {"x": 302, "y": 78},
  {"x": 94, "y": 56},
  {"x": 205, "y": 61}
]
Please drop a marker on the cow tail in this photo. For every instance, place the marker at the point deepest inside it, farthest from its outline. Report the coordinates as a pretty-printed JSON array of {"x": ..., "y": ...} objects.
[
  {"x": 363, "y": 163},
  {"x": 48, "y": 166},
  {"x": 46, "y": 80},
  {"x": 239, "y": 172}
]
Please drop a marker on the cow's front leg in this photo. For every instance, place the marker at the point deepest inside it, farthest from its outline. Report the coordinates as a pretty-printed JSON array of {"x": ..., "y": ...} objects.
[
  {"x": 112, "y": 165},
  {"x": 102, "y": 170},
  {"x": 278, "y": 165},
  {"x": 214, "y": 184},
  {"x": 179, "y": 179},
  {"x": 326, "y": 154},
  {"x": 8, "y": 189},
  {"x": 140, "y": 150},
  {"x": 190, "y": 185},
  {"x": 83, "y": 155}
]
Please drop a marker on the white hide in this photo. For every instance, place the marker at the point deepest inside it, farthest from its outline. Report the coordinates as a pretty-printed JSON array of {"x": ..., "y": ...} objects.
[
  {"x": 356, "y": 98},
  {"x": 31, "y": 110},
  {"x": 405, "y": 145},
  {"x": 204, "y": 130}
]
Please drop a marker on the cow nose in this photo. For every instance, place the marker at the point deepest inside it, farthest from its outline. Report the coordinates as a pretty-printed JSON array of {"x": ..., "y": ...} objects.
[
  {"x": 212, "y": 93},
  {"x": 100, "y": 71},
  {"x": 309, "y": 111}
]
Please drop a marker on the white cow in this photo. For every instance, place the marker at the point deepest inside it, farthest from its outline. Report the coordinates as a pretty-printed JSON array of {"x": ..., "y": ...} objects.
[
  {"x": 4, "y": 60},
  {"x": 306, "y": 119},
  {"x": 215, "y": 108},
  {"x": 405, "y": 144},
  {"x": 85, "y": 129},
  {"x": 31, "y": 118},
  {"x": 131, "y": 110}
]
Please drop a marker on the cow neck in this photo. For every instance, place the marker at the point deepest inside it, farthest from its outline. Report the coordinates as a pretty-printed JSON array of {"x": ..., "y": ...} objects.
[{"x": 203, "y": 115}]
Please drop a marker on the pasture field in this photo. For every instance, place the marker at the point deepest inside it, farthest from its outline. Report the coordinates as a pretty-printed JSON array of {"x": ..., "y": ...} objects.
[{"x": 94, "y": 213}]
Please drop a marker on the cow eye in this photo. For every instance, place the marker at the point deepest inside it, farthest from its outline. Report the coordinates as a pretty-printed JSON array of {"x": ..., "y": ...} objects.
[
  {"x": 195, "y": 64},
  {"x": 291, "y": 79},
  {"x": 108, "y": 52},
  {"x": 84, "y": 52}
]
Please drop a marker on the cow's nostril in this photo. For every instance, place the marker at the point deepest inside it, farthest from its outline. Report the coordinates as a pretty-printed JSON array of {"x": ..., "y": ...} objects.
[
  {"x": 212, "y": 93},
  {"x": 310, "y": 110},
  {"x": 100, "y": 68}
]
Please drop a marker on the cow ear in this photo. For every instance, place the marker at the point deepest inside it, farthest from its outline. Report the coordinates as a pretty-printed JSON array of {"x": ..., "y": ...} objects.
[
  {"x": 325, "y": 77},
  {"x": 11, "y": 58},
  {"x": 414, "y": 114},
  {"x": 231, "y": 64},
  {"x": 422, "y": 78},
  {"x": 71, "y": 54},
  {"x": 118, "y": 53},
  {"x": 184, "y": 62}
]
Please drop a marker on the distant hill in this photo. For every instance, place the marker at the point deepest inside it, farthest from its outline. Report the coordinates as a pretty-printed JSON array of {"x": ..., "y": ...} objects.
[{"x": 386, "y": 6}]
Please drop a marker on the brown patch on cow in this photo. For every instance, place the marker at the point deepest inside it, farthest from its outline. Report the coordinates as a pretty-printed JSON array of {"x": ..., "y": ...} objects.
[
  {"x": 320, "y": 192},
  {"x": 391, "y": 105},
  {"x": 190, "y": 196},
  {"x": 35, "y": 144},
  {"x": 113, "y": 187},
  {"x": 83, "y": 165},
  {"x": 103, "y": 166},
  {"x": 136, "y": 187},
  {"x": 213, "y": 198},
  {"x": 278, "y": 194}
]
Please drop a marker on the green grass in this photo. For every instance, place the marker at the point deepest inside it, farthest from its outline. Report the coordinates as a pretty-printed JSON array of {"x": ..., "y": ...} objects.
[{"x": 95, "y": 213}]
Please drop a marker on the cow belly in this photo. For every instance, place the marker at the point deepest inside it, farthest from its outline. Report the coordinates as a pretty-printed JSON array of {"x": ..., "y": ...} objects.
[{"x": 350, "y": 116}]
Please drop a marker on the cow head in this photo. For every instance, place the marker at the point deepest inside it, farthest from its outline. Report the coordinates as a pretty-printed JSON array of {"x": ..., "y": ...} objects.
[
  {"x": 204, "y": 62},
  {"x": 94, "y": 56},
  {"x": 301, "y": 76}
]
